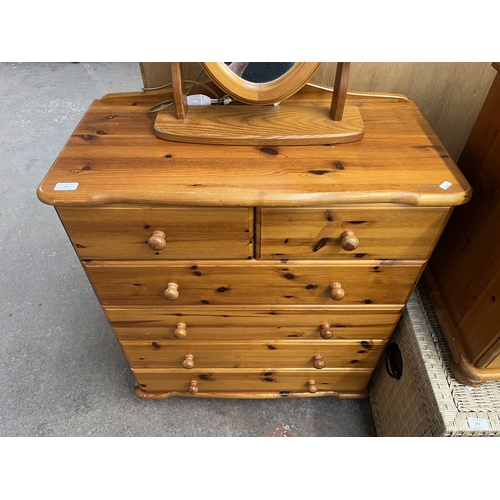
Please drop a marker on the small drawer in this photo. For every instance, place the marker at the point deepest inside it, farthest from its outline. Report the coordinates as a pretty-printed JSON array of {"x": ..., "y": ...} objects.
[
  {"x": 278, "y": 354},
  {"x": 231, "y": 283},
  {"x": 348, "y": 233},
  {"x": 188, "y": 323},
  {"x": 252, "y": 383},
  {"x": 160, "y": 233}
]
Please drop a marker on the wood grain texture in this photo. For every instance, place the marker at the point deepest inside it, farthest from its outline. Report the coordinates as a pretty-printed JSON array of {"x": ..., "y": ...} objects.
[
  {"x": 180, "y": 98},
  {"x": 253, "y": 354},
  {"x": 252, "y": 323},
  {"x": 399, "y": 160},
  {"x": 252, "y": 282},
  {"x": 141, "y": 205},
  {"x": 260, "y": 126},
  {"x": 190, "y": 232},
  {"x": 315, "y": 233},
  {"x": 340, "y": 91},
  {"x": 449, "y": 94},
  {"x": 464, "y": 268},
  {"x": 461, "y": 367},
  {"x": 253, "y": 384}
]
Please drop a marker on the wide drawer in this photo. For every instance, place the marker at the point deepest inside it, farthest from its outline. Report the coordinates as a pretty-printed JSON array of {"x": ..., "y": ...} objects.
[
  {"x": 252, "y": 323},
  {"x": 189, "y": 232},
  {"x": 277, "y": 354},
  {"x": 348, "y": 232},
  {"x": 242, "y": 383},
  {"x": 254, "y": 282}
]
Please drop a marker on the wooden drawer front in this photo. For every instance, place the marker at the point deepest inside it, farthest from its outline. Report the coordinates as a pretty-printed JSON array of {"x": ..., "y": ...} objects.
[
  {"x": 190, "y": 233},
  {"x": 211, "y": 323},
  {"x": 380, "y": 233},
  {"x": 254, "y": 282},
  {"x": 263, "y": 381},
  {"x": 278, "y": 354}
]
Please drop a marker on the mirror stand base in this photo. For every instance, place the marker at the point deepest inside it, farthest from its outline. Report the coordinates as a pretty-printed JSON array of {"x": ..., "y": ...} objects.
[{"x": 239, "y": 125}]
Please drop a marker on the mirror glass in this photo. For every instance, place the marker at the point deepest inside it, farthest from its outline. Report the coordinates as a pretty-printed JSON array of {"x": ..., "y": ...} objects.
[{"x": 260, "y": 72}]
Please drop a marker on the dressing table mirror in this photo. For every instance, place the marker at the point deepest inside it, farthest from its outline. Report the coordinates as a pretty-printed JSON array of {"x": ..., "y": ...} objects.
[{"x": 266, "y": 107}]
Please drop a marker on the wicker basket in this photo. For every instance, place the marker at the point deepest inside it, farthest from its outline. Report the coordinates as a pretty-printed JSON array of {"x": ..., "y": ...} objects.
[{"x": 427, "y": 400}]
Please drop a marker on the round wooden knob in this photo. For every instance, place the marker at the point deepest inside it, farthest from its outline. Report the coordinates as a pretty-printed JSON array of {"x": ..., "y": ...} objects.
[
  {"x": 180, "y": 331},
  {"x": 171, "y": 292},
  {"x": 188, "y": 362},
  {"x": 193, "y": 387},
  {"x": 312, "y": 387},
  {"x": 336, "y": 291},
  {"x": 157, "y": 241},
  {"x": 318, "y": 362},
  {"x": 326, "y": 331},
  {"x": 348, "y": 241}
]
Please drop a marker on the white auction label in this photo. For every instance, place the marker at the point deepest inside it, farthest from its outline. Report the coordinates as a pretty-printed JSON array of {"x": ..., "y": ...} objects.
[
  {"x": 445, "y": 185},
  {"x": 65, "y": 186},
  {"x": 478, "y": 423}
]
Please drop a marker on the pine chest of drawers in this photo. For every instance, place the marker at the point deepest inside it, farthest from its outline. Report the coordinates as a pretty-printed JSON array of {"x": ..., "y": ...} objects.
[{"x": 253, "y": 272}]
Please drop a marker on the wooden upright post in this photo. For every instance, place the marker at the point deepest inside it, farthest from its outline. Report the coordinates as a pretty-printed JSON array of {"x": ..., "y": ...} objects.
[
  {"x": 339, "y": 91},
  {"x": 180, "y": 98}
]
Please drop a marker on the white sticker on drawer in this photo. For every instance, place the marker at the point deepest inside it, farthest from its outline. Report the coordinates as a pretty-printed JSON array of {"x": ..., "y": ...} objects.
[
  {"x": 445, "y": 185},
  {"x": 478, "y": 423},
  {"x": 65, "y": 186}
]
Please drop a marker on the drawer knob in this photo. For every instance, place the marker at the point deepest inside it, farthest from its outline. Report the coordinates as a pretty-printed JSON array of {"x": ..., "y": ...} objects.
[
  {"x": 171, "y": 292},
  {"x": 157, "y": 241},
  {"x": 318, "y": 362},
  {"x": 312, "y": 387},
  {"x": 180, "y": 331},
  {"x": 326, "y": 332},
  {"x": 348, "y": 241},
  {"x": 193, "y": 387},
  {"x": 336, "y": 291},
  {"x": 188, "y": 362}
]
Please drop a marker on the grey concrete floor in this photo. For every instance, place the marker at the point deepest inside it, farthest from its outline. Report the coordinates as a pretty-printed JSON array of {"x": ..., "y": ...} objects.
[{"x": 62, "y": 372}]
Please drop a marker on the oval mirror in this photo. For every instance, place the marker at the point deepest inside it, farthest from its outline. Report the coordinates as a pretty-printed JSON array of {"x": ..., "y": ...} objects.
[
  {"x": 260, "y": 72},
  {"x": 260, "y": 83}
]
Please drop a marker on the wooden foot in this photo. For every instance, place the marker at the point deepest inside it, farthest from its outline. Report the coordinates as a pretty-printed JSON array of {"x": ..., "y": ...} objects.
[
  {"x": 151, "y": 395},
  {"x": 462, "y": 372}
]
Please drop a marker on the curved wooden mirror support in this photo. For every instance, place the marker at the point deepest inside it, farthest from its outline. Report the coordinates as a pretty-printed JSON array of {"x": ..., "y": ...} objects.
[{"x": 257, "y": 116}]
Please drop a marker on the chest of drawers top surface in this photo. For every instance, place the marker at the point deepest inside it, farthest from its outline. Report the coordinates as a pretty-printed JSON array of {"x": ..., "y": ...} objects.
[{"x": 115, "y": 158}]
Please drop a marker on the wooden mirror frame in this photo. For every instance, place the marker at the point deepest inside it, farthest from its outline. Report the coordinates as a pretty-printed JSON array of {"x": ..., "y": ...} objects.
[{"x": 261, "y": 93}]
